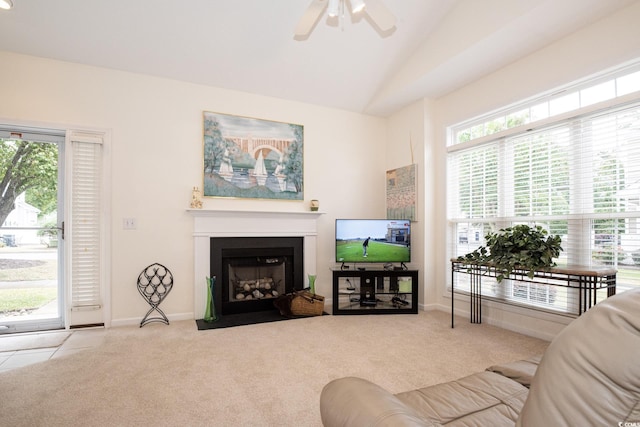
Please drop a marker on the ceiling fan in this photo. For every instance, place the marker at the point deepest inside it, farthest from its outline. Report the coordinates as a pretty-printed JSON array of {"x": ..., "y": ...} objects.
[{"x": 377, "y": 11}]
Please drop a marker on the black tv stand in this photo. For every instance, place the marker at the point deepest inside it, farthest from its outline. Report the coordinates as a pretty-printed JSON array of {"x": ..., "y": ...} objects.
[
  {"x": 389, "y": 267},
  {"x": 375, "y": 291}
]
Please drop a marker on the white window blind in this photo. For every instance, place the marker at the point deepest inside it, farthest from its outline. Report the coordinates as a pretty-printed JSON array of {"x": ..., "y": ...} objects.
[
  {"x": 85, "y": 223},
  {"x": 579, "y": 178},
  {"x": 476, "y": 181}
]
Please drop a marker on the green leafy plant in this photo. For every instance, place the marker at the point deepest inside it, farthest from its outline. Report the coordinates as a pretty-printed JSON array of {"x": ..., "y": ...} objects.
[{"x": 517, "y": 248}]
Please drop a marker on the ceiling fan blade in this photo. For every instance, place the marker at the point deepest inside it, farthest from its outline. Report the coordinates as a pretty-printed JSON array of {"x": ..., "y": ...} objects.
[
  {"x": 310, "y": 17},
  {"x": 379, "y": 14}
]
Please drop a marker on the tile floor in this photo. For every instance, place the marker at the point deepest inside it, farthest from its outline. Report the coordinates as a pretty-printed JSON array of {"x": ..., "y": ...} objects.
[{"x": 78, "y": 340}]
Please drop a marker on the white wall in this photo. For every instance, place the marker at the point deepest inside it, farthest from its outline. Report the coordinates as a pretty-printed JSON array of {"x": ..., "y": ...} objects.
[
  {"x": 156, "y": 127},
  {"x": 604, "y": 44},
  {"x": 409, "y": 141}
]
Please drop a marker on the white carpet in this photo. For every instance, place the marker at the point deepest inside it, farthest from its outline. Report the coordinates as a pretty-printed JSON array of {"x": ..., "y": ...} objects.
[{"x": 269, "y": 374}]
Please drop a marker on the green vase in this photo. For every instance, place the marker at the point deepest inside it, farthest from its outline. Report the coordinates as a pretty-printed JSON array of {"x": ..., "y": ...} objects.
[
  {"x": 210, "y": 315},
  {"x": 312, "y": 283}
]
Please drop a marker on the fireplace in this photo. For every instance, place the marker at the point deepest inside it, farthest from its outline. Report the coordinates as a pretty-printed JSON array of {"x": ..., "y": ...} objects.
[
  {"x": 252, "y": 271},
  {"x": 252, "y": 224}
]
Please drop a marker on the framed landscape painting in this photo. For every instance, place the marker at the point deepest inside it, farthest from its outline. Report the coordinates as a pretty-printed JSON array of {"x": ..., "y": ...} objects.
[{"x": 252, "y": 158}]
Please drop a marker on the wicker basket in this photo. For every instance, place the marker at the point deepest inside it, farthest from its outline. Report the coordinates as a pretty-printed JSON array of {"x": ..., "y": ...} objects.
[{"x": 304, "y": 303}]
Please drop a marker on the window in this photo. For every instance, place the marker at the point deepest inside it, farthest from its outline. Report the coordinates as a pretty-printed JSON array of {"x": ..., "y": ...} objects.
[
  {"x": 578, "y": 177},
  {"x": 609, "y": 86}
]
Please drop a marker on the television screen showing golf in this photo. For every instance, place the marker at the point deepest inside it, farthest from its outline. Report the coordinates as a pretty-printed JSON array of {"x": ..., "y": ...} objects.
[{"x": 373, "y": 240}]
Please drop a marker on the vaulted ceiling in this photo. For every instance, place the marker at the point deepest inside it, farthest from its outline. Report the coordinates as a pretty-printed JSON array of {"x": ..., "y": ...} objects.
[{"x": 345, "y": 63}]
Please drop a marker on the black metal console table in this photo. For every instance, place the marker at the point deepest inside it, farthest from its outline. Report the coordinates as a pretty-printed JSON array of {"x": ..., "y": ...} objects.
[{"x": 587, "y": 280}]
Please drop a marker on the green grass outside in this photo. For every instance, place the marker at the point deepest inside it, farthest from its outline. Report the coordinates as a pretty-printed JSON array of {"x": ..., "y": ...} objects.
[
  {"x": 26, "y": 298},
  {"x": 628, "y": 276},
  {"x": 351, "y": 250},
  {"x": 14, "y": 299},
  {"x": 47, "y": 271}
]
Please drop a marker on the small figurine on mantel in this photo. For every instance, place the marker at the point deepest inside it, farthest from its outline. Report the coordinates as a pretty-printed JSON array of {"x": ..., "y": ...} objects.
[{"x": 196, "y": 203}]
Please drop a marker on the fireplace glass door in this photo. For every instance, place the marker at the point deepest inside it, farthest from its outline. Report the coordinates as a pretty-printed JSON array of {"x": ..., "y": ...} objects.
[
  {"x": 252, "y": 282},
  {"x": 252, "y": 271},
  {"x": 256, "y": 278}
]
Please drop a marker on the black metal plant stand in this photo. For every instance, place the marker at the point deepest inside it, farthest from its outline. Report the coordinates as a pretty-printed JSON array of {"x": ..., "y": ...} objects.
[
  {"x": 154, "y": 284},
  {"x": 586, "y": 280}
]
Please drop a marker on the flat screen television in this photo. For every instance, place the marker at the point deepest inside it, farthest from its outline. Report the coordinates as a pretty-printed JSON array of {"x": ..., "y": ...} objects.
[{"x": 373, "y": 240}]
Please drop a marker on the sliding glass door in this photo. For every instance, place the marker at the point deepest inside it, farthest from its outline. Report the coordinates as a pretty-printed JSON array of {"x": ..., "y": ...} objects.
[{"x": 31, "y": 245}]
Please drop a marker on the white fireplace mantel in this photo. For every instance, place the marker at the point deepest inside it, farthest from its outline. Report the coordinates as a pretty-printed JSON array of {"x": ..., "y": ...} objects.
[{"x": 235, "y": 223}]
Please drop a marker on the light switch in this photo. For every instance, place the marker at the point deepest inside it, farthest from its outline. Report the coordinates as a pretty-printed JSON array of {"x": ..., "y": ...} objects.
[{"x": 129, "y": 223}]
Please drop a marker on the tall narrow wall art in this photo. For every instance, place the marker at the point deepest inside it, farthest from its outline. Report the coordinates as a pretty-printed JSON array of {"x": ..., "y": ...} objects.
[{"x": 402, "y": 193}]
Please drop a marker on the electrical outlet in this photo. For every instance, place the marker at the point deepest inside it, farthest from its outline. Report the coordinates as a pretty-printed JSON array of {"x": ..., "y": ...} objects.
[{"x": 129, "y": 223}]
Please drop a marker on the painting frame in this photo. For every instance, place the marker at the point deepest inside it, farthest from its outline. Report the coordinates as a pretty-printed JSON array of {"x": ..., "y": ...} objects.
[
  {"x": 252, "y": 158},
  {"x": 402, "y": 192}
]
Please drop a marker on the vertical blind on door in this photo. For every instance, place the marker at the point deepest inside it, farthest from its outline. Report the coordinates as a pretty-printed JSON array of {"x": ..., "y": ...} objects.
[{"x": 85, "y": 222}]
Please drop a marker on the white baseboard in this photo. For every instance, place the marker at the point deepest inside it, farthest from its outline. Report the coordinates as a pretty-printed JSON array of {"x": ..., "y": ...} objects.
[
  {"x": 135, "y": 321},
  {"x": 537, "y": 324}
]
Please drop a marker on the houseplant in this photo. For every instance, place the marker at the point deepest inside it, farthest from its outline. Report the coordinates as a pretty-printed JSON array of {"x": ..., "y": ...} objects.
[{"x": 517, "y": 248}]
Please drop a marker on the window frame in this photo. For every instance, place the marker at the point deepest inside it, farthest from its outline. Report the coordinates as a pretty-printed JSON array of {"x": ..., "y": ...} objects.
[
  {"x": 579, "y": 225},
  {"x": 485, "y": 121}
]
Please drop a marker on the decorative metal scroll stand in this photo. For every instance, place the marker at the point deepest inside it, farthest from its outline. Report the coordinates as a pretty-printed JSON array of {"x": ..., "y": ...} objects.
[{"x": 154, "y": 284}]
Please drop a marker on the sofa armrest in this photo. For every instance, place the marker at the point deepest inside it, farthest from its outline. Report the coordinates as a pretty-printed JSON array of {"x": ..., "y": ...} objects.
[
  {"x": 354, "y": 401},
  {"x": 521, "y": 371}
]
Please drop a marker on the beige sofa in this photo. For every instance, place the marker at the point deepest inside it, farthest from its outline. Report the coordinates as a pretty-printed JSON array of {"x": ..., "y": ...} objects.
[{"x": 588, "y": 376}]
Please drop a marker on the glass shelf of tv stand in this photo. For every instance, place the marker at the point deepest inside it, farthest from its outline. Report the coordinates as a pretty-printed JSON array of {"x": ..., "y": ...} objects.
[{"x": 375, "y": 291}]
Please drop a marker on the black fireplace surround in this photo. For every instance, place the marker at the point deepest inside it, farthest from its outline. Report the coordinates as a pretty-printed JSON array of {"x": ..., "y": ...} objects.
[{"x": 229, "y": 254}]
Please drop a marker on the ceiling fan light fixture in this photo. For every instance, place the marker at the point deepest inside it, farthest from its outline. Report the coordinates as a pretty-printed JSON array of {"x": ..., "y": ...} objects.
[
  {"x": 357, "y": 6},
  {"x": 334, "y": 8},
  {"x": 377, "y": 13},
  {"x": 6, "y": 4}
]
